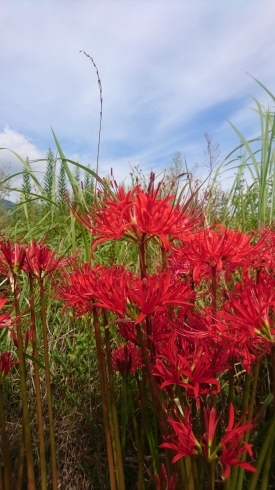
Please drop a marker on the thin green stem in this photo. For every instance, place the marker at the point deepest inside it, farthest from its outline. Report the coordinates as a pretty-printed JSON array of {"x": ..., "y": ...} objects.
[
  {"x": 195, "y": 472},
  {"x": 5, "y": 444},
  {"x": 103, "y": 389},
  {"x": 136, "y": 432},
  {"x": 112, "y": 394},
  {"x": 142, "y": 431},
  {"x": 269, "y": 440},
  {"x": 23, "y": 386},
  {"x": 210, "y": 470},
  {"x": 266, "y": 468},
  {"x": 245, "y": 402},
  {"x": 19, "y": 484},
  {"x": 151, "y": 380},
  {"x": 39, "y": 412},
  {"x": 189, "y": 474},
  {"x": 48, "y": 385},
  {"x": 248, "y": 420}
]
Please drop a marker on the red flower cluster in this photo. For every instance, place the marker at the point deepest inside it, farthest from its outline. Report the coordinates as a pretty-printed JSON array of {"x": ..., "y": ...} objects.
[
  {"x": 120, "y": 291},
  {"x": 227, "y": 451},
  {"x": 210, "y": 306},
  {"x": 135, "y": 214}
]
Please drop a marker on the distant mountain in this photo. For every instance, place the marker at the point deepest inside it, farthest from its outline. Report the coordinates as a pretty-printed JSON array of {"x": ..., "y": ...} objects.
[{"x": 7, "y": 204}]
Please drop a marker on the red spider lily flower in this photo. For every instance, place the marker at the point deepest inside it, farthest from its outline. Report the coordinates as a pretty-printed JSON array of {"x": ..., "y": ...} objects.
[
  {"x": 211, "y": 422},
  {"x": 158, "y": 217},
  {"x": 12, "y": 256},
  {"x": 217, "y": 247},
  {"x": 112, "y": 291},
  {"x": 179, "y": 264},
  {"x": 251, "y": 308},
  {"x": 6, "y": 363},
  {"x": 110, "y": 219},
  {"x": 135, "y": 215},
  {"x": 100, "y": 286},
  {"x": 235, "y": 339},
  {"x": 193, "y": 369},
  {"x": 78, "y": 288},
  {"x": 154, "y": 292},
  {"x": 116, "y": 289},
  {"x": 127, "y": 359},
  {"x": 233, "y": 445},
  {"x": 262, "y": 255},
  {"x": 42, "y": 261},
  {"x": 184, "y": 442},
  {"x": 162, "y": 482}
]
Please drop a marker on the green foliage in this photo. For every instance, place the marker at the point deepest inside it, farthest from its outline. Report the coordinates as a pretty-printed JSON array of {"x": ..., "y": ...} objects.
[
  {"x": 77, "y": 175},
  {"x": 251, "y": 199},
  {"x": 26, "y": 184},
  {"x": 88, "y": 186},
  {"x": 49, "y": 179},
  {"x": 62, "y": 189}
]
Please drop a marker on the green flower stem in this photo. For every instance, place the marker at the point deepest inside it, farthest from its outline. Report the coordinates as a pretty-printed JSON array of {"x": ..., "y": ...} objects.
[
  {"x": 246, "y": 392},
  {"x": 48, "y": 385},
  {"x": 241, "y": 471},
  {"x": 109, "y": 411},
  {"x": 23, "y": 387},
  {"x": 210, "y": 470},
  {"x": 151, "y": 380},
  {"x": 269, "y": 440},
  {"x": 267, "y": 464},
  {"x": 182, "y": 474},
  {"x": 228, "y": 483},
  {"x": 5, "y": 445},
  {"x": 195, "y": 473},
  {"x": 103, "y": 388},
  {"x": 112, "y": 394},
  {"x": 266, "y": 469},
  {"x": 142, "y": 431},
  {"x": 21, "y": 463},
  {"x": 189, "y": 474},
  {"x": 43, "y": 469},
  {"x": 124, "y": 405},
  {"x": 245, "y": 402},
  {"x": 137, "y": 436}
]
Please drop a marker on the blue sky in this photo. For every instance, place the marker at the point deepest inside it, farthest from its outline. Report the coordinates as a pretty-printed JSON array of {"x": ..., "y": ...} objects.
[{"x": 170, "y": 70}]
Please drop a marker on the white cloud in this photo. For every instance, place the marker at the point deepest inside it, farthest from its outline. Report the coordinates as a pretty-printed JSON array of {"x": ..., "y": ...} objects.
[{"x": 23, "y": 146}]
